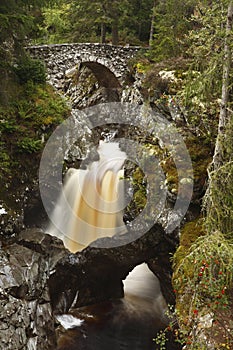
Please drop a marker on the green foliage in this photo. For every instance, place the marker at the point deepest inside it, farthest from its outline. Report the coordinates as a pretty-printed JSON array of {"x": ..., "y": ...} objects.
[
  {"x": 4, "y": 161},
  {"x": 219, "y": 201},
  {"x": 205, "y": 272},
  {"x": 56, "y": 25},
  {"x": 171, "y": 24},
  {"x": 188, "y": 235},
  {"x": 8, "y": 126},
  {"x": 141, "y": 67},
  {"x": 88, "y": 18},
  {"x": 203, "y": 82},
  {"x": 28, "y": 69},
  {"x": 29, "y": 145},
  {"x": 161, "y": 340},
  {"x": 120, "y": 21},
  {"x": 17, "y": 26},
  {"x": 29, "y": 118},
  {"x": 39, "y": 107},
  {"x": 203, "y": 282},
  {"x": 17, "y": 21},
  {"x": 136, "y": 19}
]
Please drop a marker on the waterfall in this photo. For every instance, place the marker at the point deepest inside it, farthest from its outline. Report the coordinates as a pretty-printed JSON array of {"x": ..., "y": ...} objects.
[
  {"x": 91, "y": 201},
  {"x": 91, "y": 206}
]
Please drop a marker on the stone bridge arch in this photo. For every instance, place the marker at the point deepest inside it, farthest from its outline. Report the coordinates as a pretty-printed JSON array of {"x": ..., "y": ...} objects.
[
  {"x": 105, "y": 76},
  {"x": 107, "y": 62}
]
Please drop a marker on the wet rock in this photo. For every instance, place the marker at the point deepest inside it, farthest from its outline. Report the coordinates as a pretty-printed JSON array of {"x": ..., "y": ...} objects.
[
  {"x": 26, "y": 320},
  {"x": 132, "y": 93},
  {"x": 33, "y": 209}
]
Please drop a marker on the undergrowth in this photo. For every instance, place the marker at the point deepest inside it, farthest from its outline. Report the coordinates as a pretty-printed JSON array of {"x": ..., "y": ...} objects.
[
  {"x": 203, "y": 282},
  {"x": 27, "y": 120}
]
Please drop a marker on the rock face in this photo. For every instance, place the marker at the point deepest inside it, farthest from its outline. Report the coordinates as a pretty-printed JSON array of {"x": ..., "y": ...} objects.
[
  {"x": 84, "y": 89},
  {"x": 39, "y": 277},
  {"x": 26, "y": 320}
]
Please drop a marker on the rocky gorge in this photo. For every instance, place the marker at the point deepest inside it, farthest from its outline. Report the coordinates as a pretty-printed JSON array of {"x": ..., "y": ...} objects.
[{"x": 40, "y": 278}]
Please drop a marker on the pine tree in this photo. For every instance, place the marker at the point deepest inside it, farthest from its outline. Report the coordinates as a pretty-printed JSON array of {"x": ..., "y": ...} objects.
[
  {"x": 110, "y": 20},
  {"x": 225, "y": 114},
  {"x": 16, "y": 26},
  {"x": 202, "y": 84},
  {"x": 171, "y": 24}
]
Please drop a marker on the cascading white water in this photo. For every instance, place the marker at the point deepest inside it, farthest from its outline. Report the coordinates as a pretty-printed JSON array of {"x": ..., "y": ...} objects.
[
  {"x": 142, "y": 292},
  {"x": 90, "y": 205}
]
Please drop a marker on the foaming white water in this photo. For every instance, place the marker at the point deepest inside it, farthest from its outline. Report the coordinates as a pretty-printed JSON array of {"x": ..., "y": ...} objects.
[
  {"x": 68, "y": 321},
  {"x": 142, "y": 292},
  {"x": 90, "y": 205}
]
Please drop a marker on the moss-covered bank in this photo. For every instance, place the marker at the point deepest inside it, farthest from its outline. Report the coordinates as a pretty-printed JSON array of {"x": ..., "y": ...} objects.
[{"x": 27, "y": 120}]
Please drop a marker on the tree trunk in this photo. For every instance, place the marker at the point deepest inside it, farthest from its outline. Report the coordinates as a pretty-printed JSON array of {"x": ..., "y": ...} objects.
[
  {"x": 115, "y": 37},
  {"x": 218, "y": 158},
  {"x": 152, "y": 25},
  {"x": 103, "y": 33}
]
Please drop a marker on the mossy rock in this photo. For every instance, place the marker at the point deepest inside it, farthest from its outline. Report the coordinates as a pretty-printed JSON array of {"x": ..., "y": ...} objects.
[{"x": 188, "y": 235}]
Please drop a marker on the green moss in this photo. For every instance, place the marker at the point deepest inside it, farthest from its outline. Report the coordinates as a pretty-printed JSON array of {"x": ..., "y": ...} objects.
[
  {"x": 169, "y": 169},
  {"x": 189, "y": 233},
  {"x": 200, "y": 152},
  {"x": 219, "y": 201},
  {"x": 138, "y": 176},
  {"x": 139, "y": 189},
  {"x": 137, "y": 179},
  {"x": 140, "y": 199}
]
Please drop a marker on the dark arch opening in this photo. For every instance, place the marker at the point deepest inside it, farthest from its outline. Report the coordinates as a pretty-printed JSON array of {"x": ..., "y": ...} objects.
[{"x": 105, "y": 77}]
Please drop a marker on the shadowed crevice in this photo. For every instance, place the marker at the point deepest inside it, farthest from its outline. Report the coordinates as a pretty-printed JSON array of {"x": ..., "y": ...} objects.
[{"x": 105, "y": 77}]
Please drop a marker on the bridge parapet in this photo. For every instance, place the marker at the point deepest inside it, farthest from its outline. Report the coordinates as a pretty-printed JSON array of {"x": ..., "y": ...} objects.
[{"x": 59, "y": 58}]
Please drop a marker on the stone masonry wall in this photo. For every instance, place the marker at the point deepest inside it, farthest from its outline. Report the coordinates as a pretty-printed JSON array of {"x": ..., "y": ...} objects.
[{"x": 60, "y": 58}]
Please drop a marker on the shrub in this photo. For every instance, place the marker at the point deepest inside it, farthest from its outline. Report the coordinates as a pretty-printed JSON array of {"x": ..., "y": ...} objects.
[{"x": 28, "y": 69}]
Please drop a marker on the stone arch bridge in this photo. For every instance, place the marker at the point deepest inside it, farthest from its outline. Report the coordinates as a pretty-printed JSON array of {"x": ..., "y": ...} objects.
[{"x": 108, "y": 63}]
